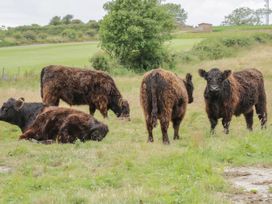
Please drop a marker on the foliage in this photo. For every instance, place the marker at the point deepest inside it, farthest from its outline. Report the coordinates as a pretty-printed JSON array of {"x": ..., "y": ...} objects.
[
  {"x": 69, "y": 33},
  {"x": 100, "y": 61},
  {"x": 134, "y": 31},
  {"x": 64, "y": 29},
  {"x": 243, "y": 16},
  {"x": 56, "y": 20},
  {"x": 29, "y": 35},
  {"x": 178, "y": 13},
  {"x": 221, "y": 47},
  {"x": 67, "y": 19}
]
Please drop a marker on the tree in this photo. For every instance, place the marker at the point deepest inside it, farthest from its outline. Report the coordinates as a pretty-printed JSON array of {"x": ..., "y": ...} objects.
[
  {"x": 262, "y": 12},
  {"x": 76, "y": 21},
  {"x": 242, "y": 16},
  {"x": 134, "y": 32},
  {"x": 67, "y": 19},
  {"x": 178, "y": 13},
  {"x": 56, "y": 20}
]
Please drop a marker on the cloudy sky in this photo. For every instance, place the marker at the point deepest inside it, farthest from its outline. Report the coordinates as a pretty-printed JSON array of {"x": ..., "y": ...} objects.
[{"x": 23, "y": 12}]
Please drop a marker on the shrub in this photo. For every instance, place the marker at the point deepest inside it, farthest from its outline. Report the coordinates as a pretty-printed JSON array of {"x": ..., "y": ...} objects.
[
  {"x": 237, "y": 42},
  {"x": 211, "y": 49},
  {"x": 262, "y": 37},
  {"x": 30, "y": 35},
  {"x": 170, "y": 60},
  {"x": 100, "y": 61},
  {"x": 69, "y": 33}
]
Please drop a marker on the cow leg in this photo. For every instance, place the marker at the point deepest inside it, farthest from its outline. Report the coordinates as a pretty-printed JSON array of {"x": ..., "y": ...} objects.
[
  {"x": 176, "y": 125},
  {"x": 164, "y": 127},
  {"x": 249, "y": 119},
  {"x": 51, "y": 100},
  {"x": 226, "y": 124},
  {"x": 102, "y": 105},
  {"x": 149, "y": 127},
  {"x": 92, "y": 109},
  {"x": 262, "y": 113},
  {"x": 213, "y": 122}
]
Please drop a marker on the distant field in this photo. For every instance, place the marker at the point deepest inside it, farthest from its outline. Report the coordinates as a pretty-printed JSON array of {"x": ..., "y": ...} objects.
[{"x": 34, "y": 57}]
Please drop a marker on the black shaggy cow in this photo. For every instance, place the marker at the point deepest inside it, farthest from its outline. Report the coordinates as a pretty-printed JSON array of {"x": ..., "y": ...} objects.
[
  {"x": 236, "y": 93},
  {"x": 80, "y": 86},
  {"x": 40, "y": 122},
  {"x": 165, "y": 96}
]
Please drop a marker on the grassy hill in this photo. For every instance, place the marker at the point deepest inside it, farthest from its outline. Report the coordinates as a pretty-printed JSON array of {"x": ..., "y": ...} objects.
[{"x": 123, "y": 168}]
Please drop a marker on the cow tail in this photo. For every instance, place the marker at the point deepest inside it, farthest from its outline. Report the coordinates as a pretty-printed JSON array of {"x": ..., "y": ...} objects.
[
  {"x": 154, "y": 100},
  {"x": 41, "y": 80}
]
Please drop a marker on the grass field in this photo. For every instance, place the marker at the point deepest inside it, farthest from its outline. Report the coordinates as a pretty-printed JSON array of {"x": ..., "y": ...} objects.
[
  {"x": 123, "y": 168},
  {"x": 35, "y": 57}
]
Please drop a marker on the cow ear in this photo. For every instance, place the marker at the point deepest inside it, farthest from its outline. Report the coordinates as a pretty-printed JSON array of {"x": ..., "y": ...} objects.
[
  {"x": 189, "y": 77},
  {"x": 202, "y": 73},
  {"x": 19, "y": 104},
  {"x": 22, "y": 99},
  {"x": 226, "y": 74}
]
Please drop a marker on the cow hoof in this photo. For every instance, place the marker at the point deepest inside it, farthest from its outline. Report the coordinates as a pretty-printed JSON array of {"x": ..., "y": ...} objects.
[
  {"x": 176, "y": 137},
  {"x": 23, "y": 137},
  {"x": 226, "y": 132},
  {"x": 166, "y": 142},
  {"x": 150, "y": 140}
]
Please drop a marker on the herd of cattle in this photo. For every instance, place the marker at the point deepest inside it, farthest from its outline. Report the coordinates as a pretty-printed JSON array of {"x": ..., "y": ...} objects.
[{"x": 164, "y": 96}]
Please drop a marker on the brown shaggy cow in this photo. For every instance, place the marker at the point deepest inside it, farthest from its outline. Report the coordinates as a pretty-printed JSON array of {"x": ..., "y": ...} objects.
[
  {"x": 164, "y": 96},
  {"x": 40, "y": 122},
  {"x": 81, "y": 86},
  {"x": 236, "y": 93}
]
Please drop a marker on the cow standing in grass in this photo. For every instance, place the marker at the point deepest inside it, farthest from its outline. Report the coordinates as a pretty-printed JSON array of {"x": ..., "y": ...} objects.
[
  {"x": 78, "y": 87},
  {"x": 165, "y": 96},
  {"x": 236, "y": 93},
  {"x": 43, "y": 123}
]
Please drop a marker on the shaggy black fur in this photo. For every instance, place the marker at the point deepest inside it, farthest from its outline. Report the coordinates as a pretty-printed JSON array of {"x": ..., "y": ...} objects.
[{"x": 235, "y": 93}]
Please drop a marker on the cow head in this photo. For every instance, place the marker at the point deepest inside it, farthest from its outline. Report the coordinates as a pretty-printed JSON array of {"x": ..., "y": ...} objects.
[
  {"x": 125, "y": 109},
  {"x": 98, "y": 131},
  {"x": 189, "y": 87},
  {"x": 10, "y": 110},
  {"x": 215, "y": 79},
  {"x": 121, "y": 109}
]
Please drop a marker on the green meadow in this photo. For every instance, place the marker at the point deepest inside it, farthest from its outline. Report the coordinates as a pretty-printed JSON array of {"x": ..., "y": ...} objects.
[{"x": 124, "y": 168}]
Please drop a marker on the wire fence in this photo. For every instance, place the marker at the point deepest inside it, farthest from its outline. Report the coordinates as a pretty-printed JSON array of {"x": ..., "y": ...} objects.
[{"x": 19, "y": 74}]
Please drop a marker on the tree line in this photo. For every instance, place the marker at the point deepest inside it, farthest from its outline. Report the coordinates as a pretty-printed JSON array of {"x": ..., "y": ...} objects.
[{"x": 65, "y": 29}]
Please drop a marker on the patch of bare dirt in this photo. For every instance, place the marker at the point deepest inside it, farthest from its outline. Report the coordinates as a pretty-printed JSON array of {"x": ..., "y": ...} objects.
[
  {"x": 5, "y": 169},
  {"x": 255, "y": 184}
]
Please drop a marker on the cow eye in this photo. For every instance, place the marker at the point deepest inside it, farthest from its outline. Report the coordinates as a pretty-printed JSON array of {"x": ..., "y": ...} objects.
[{"x": 5, "y": 109}]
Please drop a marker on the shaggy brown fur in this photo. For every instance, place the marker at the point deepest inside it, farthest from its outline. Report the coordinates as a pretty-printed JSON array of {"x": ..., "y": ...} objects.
[
  {"x": 65, "y": 126},
  {"x": 44, "y": 123},
  {"x": 229, "y": 94},
  {"x": 165, "y": 96},
  {"x": 79, "y": 87}
]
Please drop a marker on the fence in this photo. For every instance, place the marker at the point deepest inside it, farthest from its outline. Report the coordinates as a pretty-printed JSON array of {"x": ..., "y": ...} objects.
[{"x": 17, "y": 75}]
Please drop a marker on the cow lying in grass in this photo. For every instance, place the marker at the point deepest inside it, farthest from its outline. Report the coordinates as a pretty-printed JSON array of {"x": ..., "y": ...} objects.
[
  {"x": 236, "y": 93},
  {"x": 165, "y": 96},
  {"x": 40, "y": 122},
  {"x": 80, "y": 86}
]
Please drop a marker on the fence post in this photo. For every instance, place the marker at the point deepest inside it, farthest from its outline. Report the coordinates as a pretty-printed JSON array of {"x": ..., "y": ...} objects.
[{"x": 3, "y": 73}]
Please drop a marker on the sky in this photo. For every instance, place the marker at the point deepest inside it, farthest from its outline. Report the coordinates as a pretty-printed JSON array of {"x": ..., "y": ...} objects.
[{"x": 26, "y": 12}]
